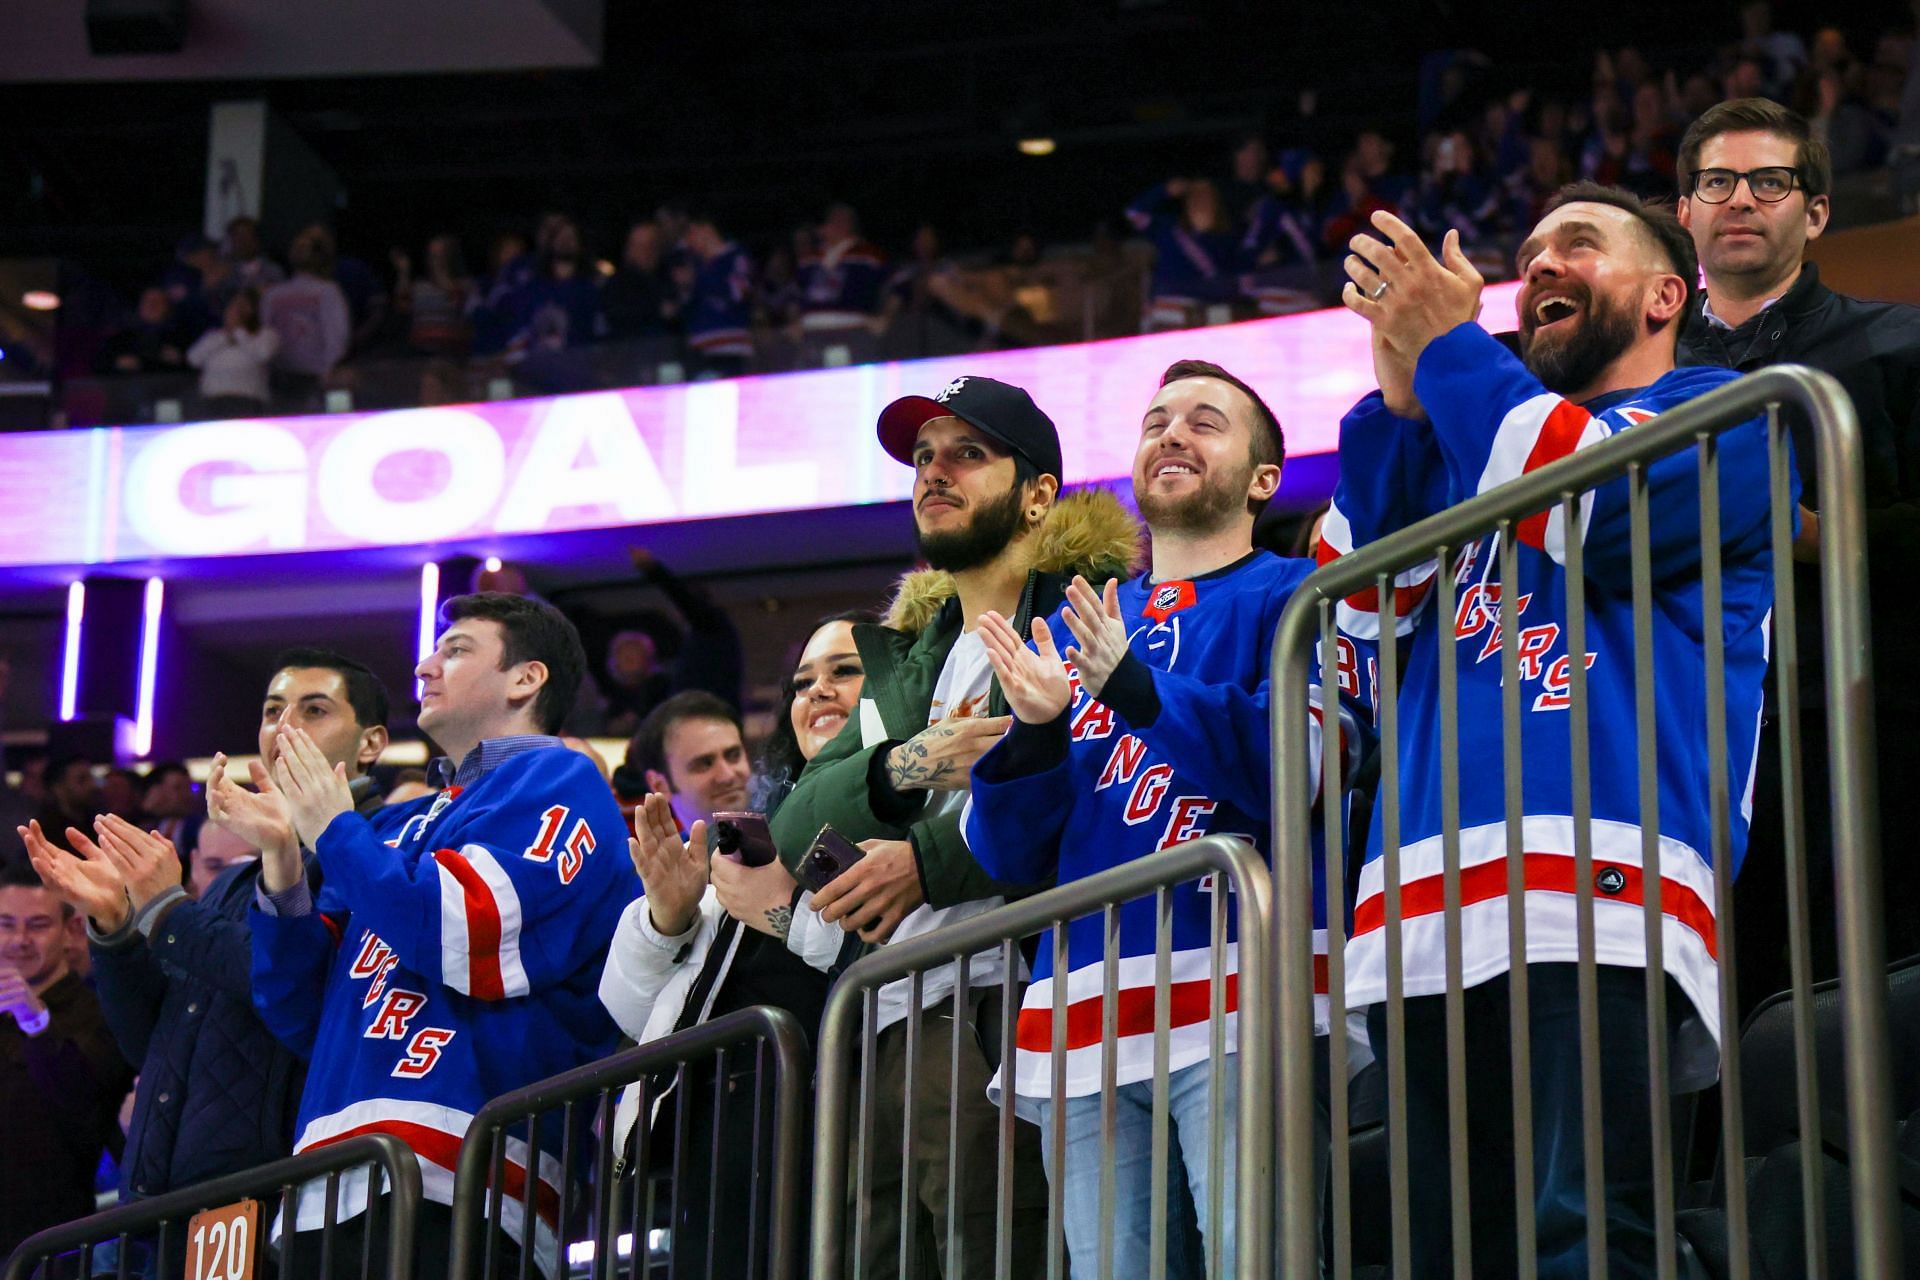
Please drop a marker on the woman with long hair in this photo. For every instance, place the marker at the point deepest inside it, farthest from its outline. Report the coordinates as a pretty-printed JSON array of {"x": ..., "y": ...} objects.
[{"x": 656, "y": 983}]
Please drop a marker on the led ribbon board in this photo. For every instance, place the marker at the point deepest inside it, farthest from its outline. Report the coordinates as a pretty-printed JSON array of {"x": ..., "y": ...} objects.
[{"x": 615, "y": 458}]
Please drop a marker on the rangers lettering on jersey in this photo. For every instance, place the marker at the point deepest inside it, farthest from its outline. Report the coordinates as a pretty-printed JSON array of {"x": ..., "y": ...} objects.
[
  {"x": 1489, "y": 421},
  {"x": 1177, "y": 749}
]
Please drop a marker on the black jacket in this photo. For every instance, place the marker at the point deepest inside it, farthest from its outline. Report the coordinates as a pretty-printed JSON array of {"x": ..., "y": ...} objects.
[
  {"x": 217, "y": 1092},
  {"x": 60, "y": 1092},
  {"x": 1873, "y": 348}
]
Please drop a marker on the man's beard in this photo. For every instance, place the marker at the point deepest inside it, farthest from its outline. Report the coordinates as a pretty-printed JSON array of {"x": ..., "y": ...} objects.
[
  {"x": 1575, "y": 361},
  {"x": 993, "y": 526},
  {"x": 1207, "y": 509}
]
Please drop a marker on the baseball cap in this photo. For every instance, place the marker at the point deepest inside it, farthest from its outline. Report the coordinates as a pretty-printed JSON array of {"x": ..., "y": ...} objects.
[{"x": 1004, "y": 413}]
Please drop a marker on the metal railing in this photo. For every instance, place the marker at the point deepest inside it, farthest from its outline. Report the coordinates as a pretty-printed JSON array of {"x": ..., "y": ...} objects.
[
  {"x": 1559, "y": 488},
  {"x": 150, "y": 1224},
  {"x": 776, "y": 1050},
  {"x": 857, "y": 993}
]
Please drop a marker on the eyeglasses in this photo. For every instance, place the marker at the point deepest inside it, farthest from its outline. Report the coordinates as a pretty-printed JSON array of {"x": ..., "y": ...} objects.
[{"x": 1769, "y": 185}]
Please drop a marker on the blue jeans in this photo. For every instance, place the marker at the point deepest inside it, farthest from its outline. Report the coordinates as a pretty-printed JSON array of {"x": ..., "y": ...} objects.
[{"x": 1189, "y": 1216}]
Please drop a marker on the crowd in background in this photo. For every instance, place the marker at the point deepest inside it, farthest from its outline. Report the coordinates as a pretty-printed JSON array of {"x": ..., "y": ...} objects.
[{"x": 1258, "y": 230}]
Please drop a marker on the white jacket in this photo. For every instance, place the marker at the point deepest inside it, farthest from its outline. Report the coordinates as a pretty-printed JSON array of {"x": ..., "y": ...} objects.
[{"x": 646, "y": 982}]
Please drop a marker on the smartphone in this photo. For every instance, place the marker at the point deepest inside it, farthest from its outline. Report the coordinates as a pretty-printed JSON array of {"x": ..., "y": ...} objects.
[
  {"x": 830, "y": 854},
  {"x": 745, "y": 836}
]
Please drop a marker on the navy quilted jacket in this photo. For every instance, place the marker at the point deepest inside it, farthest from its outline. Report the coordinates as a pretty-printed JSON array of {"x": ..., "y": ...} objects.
[{"x": 217, "y": 1093}]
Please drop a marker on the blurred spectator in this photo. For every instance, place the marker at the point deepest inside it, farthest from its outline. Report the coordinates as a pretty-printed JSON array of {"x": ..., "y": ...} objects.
[
  {"x": 1530, "y": 189},
  {"x": 61, "y": 1079},
  {"x": 1698, "y": 92},
  {"x": 1245, "y": 185},
  {"x": 171, "y": 803},
  {"x": 1368, "y": 184},
  {"x": 1503, "y": 136},
  {"x": 310, "y": 314},
  {"x": 1904, "y": 145},
  {"x": 214, "y": 850},
  {"x": 196, "y": 275},
  {"x": 247, "y": 263},
  {"x": 1746, "y": 78},
  {"x": 501, "y": 307},
  {"x": 637, "y": 299},
  {"x": 1023, "y": 250},
  {"x": 841, "y": 283},
  {"x": 916, "y": 310},
  {"x": 1780, "y": 54},
  {"x": 671, "y": 217},
  {"x": 719, "y": 310},
  {"x": 234, "y": 359},
  {"x": 1196, "y": 253},
  {"x": 73, "y": 798},
  {"x": 633, "y": 672},
  {"x": 1457, "y": 193},
  {"x": 1647, "y": 167},
  {"x": 369, "y": 300},
  {"x": 434, "y": 305},
  {"x": 563, "y": 301},
  {"x": 154, "y": 341},
  {"x": 120, "y": 794},
  {"x": 777, "y": 300}
]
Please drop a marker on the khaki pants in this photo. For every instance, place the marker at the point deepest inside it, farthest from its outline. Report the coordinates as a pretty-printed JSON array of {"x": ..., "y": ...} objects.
[{"x": 975, "y": 1199}]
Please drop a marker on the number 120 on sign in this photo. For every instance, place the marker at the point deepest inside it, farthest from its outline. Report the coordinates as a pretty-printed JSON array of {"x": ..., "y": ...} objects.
[{"x": 220, "y": 1242}]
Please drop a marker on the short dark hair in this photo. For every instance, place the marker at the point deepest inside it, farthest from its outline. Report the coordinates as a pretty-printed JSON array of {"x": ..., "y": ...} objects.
[
  {"x": 648, "y": 750},
  {"x": 531, "y": 631},
  {"x": 1662, "y": 226},
  {"x": 1266, "y": 443},
  {"x": 58, "y": 765},
  {"x": 21, "y": 875},
  {"x": 366, "y": 692},
  {"x": 159, "y": 773},
  {"x": 1758, "y": 115}
]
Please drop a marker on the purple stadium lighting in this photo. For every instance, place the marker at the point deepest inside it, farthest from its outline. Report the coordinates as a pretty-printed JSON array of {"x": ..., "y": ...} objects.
[
  {"x": 70, "y": 659},
  {"x": 429, "y": 610},
  {"x": 149, "y": 664}
]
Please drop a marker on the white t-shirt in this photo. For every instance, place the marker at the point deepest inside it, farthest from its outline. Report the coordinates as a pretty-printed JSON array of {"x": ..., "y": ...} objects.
[{"x": 963, "y": 688}]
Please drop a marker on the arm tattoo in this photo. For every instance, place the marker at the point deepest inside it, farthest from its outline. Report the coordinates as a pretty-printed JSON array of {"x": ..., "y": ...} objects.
[
  {"x": 780, "y": 919},
  {"x": 916, "y": 772}
]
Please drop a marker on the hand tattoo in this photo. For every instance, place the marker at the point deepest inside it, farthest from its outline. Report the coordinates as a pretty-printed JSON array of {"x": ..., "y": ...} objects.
[
  {"x": 916, "y": 772},
  {"x": 780, "y": 920}
]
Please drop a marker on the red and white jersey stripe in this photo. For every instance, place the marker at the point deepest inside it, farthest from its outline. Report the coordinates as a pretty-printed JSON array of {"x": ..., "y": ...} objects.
[
  {"x": 1689, "y": 943},
  {"x": 480, "y": 922}
]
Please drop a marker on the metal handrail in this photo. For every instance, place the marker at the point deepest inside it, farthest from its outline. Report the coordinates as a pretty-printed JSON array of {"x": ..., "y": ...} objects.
[
  {"x": 400, "y": 1165},
  {"x": 759, "y": 1023},
  {"x": 1234, "y": 858},
  {"x": 1843, "y": 562}
]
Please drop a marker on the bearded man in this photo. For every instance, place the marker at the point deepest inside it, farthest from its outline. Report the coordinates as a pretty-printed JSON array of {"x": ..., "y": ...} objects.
[
  {"x": 997, "y": 537},
  {"x": 1606, "y": 281},
  {"x": 1160, "y": 736}
]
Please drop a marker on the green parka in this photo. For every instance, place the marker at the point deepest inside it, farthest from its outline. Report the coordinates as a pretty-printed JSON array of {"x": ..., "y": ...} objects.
[{"x": 1087, "y": 533}]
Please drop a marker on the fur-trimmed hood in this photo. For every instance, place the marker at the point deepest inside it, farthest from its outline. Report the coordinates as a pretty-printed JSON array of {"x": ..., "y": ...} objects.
[{"x": 1088, "y": 533}]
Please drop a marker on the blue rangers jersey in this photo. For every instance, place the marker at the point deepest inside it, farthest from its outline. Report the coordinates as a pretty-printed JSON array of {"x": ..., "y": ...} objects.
[
  {"x": 719, "y": 313},
  {"x": 1178, "y": 747},
  {"x": 1491, "y": 421},
  {"x": 454, "y": 954}
]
